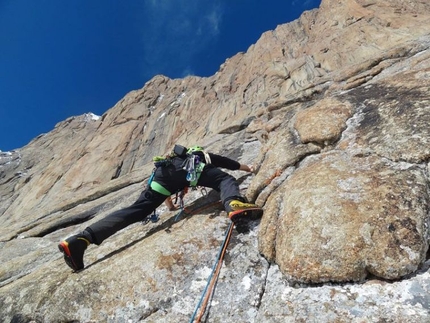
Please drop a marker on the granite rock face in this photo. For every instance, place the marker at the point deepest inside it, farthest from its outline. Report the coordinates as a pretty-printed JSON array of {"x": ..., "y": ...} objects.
[{"x": 333, "y": 111}]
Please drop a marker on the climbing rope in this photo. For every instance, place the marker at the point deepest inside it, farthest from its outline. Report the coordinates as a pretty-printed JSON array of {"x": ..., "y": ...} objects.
[{"x": 212, "y": 278}]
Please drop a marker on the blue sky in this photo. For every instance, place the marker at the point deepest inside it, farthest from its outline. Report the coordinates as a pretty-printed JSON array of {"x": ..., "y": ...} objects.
[{"x": 65, "y": 58}]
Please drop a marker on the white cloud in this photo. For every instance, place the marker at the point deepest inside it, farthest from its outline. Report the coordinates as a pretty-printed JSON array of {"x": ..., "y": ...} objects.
[
  {"x": 174, "y": 31},
  {"x": 306, "y": 4},
  {"x": 309, "y": 3},
  {"x": 214, "y": 19}
]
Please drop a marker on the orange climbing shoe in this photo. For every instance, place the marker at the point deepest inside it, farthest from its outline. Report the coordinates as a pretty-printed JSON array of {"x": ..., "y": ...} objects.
[
  {"x": 241, "y": 213},
  {"x": 73, "y": 249}
]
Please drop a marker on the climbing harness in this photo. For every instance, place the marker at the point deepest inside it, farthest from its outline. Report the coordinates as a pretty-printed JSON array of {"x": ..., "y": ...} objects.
[
  {"x": 212, "y": 278},
  {"x": 159, "y": 162}
]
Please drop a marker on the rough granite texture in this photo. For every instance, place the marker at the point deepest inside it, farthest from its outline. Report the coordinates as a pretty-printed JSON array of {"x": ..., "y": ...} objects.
[{"x": 333, "y": 110}]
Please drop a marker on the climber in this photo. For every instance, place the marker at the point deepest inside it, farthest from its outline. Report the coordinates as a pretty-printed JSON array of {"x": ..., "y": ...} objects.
[{"x": 185, "y": 168}]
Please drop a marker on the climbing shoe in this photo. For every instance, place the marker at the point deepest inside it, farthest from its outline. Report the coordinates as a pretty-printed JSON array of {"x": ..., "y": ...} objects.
[
  {"x": 242, "y": 213},
  {"x": 73, "y": 249}
]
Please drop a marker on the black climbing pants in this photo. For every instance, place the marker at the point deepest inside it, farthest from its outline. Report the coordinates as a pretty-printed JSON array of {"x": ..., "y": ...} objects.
[{"x": 149, "y": 200}]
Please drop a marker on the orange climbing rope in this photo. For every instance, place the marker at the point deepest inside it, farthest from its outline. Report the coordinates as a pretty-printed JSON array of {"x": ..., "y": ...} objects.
[{"x": 213, "y": 279}]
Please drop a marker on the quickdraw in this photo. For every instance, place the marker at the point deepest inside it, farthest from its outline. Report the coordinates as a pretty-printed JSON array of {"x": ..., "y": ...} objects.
[
  {"x": 194, "y": 167},
  {"x": 153, "y": 218}
]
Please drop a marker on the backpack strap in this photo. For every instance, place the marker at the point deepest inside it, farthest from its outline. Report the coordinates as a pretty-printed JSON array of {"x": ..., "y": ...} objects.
[{"x": 207, "y": 157}]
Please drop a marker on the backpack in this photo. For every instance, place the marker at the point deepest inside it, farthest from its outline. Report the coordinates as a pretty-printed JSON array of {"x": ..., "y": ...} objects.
[{"x": 192, "y": 163}]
